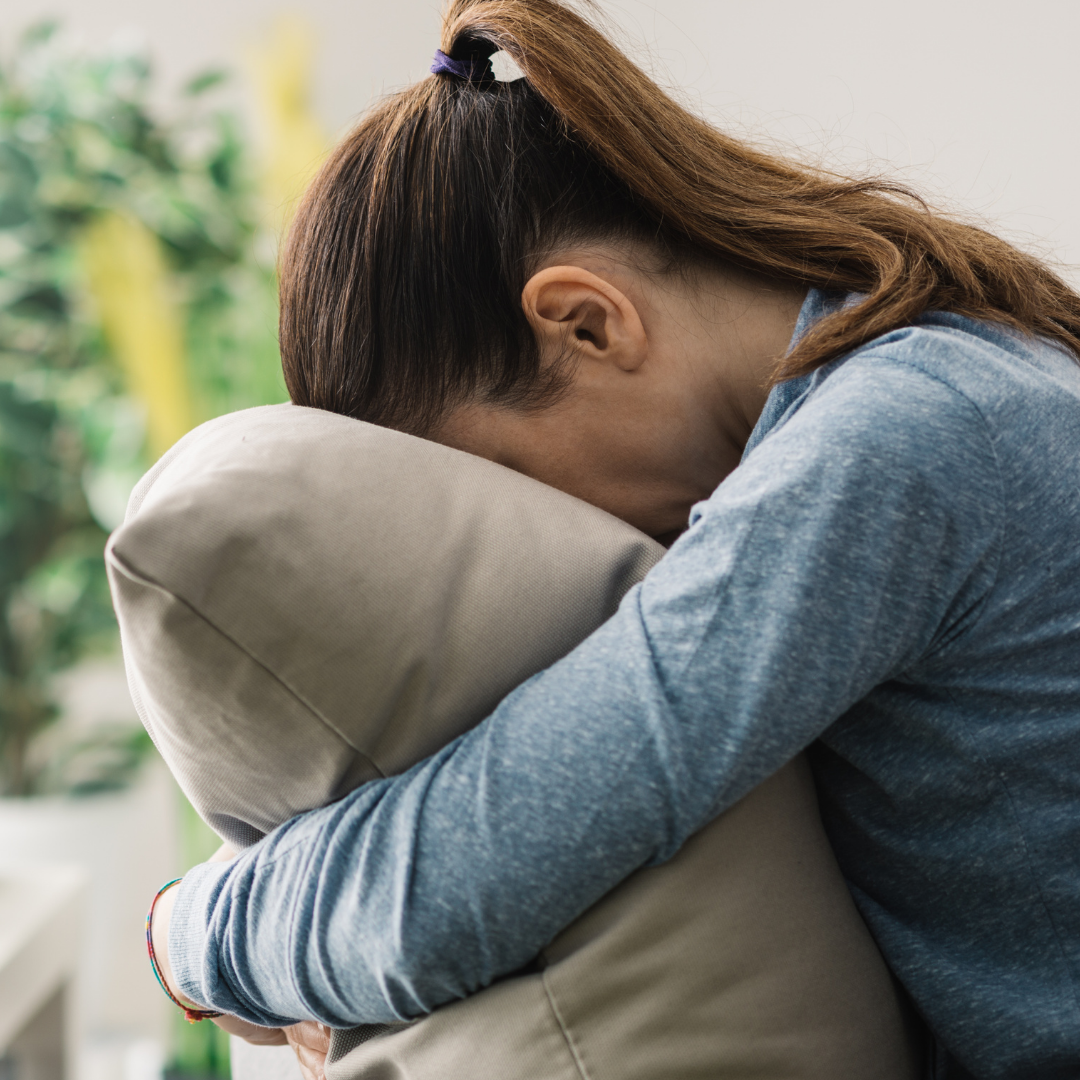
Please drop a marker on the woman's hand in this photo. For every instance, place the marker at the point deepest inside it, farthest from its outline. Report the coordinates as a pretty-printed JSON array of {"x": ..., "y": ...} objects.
[
  {"x": 252, "y": 1033},
  {"x": 311, "y": 1042},
  {"x": 159, "y": 933}
]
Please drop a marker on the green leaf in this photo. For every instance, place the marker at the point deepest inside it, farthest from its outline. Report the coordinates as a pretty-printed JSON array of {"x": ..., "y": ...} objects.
[
  {"x": 79, "y": 137},
  {"x": 39, "y": 33},
  {"x": 204, "y": 81}
]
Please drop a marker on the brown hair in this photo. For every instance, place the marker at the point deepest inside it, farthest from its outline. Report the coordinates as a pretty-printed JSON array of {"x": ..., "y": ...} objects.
[{"x": 402, "y": 275}]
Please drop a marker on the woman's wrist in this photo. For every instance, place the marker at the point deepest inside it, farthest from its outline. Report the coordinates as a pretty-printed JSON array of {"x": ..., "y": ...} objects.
[
  {"x": 158, "y": 921},
  {"x": 159, "y": 936},
  {"x": 157, "y": 944}
]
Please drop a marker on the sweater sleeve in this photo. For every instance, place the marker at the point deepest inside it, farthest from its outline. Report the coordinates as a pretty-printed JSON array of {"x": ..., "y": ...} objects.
[{"x": 852, "y": 541}]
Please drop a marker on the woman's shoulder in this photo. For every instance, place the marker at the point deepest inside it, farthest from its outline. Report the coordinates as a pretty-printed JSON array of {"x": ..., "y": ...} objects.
[
  {"x": 949, "y": 397},
  {"x": 947, "y": 369},
  {"x": 1002, "y": 372},
  {"x": 891, "y": 403}
]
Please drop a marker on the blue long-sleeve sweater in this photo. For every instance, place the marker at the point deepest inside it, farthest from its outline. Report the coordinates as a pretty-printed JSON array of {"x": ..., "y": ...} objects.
[{"x": 891, "y": 576}]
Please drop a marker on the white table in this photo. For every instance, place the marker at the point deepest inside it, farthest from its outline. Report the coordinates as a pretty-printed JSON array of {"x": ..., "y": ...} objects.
[{"x": 40, "y": 913}]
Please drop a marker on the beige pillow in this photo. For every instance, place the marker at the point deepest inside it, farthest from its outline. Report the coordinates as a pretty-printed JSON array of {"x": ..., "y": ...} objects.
[{"x": 308, "y": 602}]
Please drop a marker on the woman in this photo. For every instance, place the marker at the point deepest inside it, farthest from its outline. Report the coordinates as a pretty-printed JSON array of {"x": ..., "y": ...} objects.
[{"x": 870, "y": 415}]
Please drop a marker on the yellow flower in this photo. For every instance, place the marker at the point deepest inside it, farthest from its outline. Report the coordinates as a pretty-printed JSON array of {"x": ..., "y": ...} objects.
[
  {"x": 129, "y": 283},
  {"x": 295, "y": 141}
]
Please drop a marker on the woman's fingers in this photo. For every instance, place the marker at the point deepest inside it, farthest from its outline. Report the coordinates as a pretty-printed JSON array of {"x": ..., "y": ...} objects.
[
  {"x": 312, "y": 1063},
  {"x": 311, "y": 1043},
  {"x": 252, "y": 1033},
  {"x": 305, "y": 1071},
  {"x": 225, "y": 853},
  {"x": 310, "y": 1034}
]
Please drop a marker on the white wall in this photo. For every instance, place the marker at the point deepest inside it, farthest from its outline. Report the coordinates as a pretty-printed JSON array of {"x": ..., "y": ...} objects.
[{"x": 974, "y": 102}]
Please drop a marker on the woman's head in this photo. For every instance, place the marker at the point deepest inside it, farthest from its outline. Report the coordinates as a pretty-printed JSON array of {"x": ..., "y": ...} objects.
[
  {"x": 403, "y": 273},
  {"x": 664, "y": 377},
  {"x": 405, "y": 283}
]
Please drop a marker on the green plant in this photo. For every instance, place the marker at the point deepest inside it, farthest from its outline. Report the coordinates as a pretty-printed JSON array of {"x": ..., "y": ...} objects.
[{"x": 79, "y": 142}]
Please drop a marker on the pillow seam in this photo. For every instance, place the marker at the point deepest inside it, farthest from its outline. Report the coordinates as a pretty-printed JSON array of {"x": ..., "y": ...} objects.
[
  {"x": 564, "y": 1028},
  {"x": 142, "y": 579}
]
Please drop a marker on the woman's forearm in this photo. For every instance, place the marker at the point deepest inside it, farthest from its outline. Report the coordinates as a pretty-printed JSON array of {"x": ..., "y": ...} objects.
[
  {"x": 823, "y": 567},
  {"x": 415, "y": 891}
]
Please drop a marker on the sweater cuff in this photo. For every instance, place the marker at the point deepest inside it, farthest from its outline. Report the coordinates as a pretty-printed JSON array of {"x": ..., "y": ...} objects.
[{"x": 192, "y": 952}]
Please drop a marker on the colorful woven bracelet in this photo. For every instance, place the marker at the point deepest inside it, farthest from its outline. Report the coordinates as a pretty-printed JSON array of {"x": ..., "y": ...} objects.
[{"x": 193, "y": 1016}]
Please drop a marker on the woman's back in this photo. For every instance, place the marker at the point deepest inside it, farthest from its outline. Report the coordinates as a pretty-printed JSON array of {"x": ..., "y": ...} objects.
[{"x": 950, "y": 789}]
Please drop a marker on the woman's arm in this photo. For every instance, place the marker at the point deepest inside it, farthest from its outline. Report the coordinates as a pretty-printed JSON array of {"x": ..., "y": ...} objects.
[{"x": 827, "y": 563}]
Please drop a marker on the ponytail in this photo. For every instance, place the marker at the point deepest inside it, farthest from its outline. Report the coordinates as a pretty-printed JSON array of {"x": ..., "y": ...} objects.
[{"x": 402, "y": 276}]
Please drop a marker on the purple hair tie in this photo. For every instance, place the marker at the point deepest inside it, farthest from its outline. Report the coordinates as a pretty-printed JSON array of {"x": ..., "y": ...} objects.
[{"x": 474, "y": 71}]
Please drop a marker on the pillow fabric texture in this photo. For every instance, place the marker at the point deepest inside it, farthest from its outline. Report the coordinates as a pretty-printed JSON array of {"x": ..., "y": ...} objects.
[{"x": 308, "y": 602}]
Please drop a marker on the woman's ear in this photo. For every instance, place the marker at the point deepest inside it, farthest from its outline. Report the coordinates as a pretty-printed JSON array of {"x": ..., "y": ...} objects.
[{"x": 571, "y": 307}]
